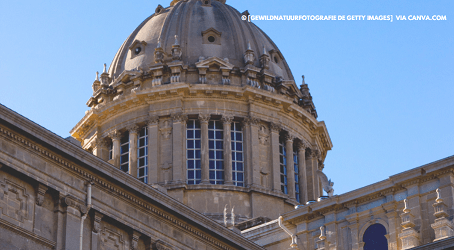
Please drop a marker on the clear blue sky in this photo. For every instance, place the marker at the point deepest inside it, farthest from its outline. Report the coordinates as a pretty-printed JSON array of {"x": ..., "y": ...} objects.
[{"x": 384, "y": 89}]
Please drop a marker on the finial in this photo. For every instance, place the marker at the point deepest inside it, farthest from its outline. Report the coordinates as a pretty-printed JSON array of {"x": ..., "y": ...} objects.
[
  {"x": 105, "y": 70},
  {"x": 322, "y": 232},
  {"x": 176, "y": 40},
  {"x": 304, "y": 81},
  {"x": 249, "y": 46},
  {"x": 406, "y": 210},
  {"x": 159, "y": 43},
  {"x": 97, "y": 76},
  {"x": 264, "y": 50}
]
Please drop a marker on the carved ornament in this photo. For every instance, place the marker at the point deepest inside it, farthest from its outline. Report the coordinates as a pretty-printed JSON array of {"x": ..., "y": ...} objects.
[{"x": 42, "y": 189}]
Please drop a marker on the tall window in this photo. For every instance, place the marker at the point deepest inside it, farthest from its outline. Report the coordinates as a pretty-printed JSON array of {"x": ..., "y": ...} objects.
[
  {"x": 124, "y": 152},
  {"x": 216, "y": 152},
  {"x": 295, "y": 166},
  {"x": 283, "y": 166},
  {"x": 237, "y": 155},
  {"x": 193, "y": 146},
  {"x": 142, "y": 155}
]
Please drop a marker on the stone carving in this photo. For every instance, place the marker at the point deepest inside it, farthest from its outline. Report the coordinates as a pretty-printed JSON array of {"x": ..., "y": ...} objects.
[
  {"x": 227, "y": 119},
  {"x": 166, "y": 131},
  {"x": 409, "y": 236},
  {"x": 133, "y": 128},
  {"x": 204, "y": 118},
  {"x": 327, "y": 185},
  {"x": 158, "y": 53},
  {"x": 135, "y": 240},
  {"x": 112, "y": 240},
  {"x": 14, "y": 201},
  {"x": 442, "y": 226},
  {"x": 42, "y": 189},
  {"x": 153, "y": 120},
  {"x": 249, "y": 57},
  {"x": 251, "y": 120},
  {"x": 265, "y": 59},
  {"x": 72, "y": 201},
  {"x": 115, "y": 135},
  {"x": 275, "y": 127},
  {"x": 289, "y": 137},
  {"x": 176, "y": 50},
  {"x": 263, "y": 135},
  {"x": 97, "y": 222},
  {"x": 179, "y": 117}
]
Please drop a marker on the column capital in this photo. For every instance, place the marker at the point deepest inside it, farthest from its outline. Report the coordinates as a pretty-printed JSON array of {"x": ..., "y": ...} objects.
[
  {"x": 275, "y": 127},
  {"x": 100, "y": 142},
  {"x": 179, "y": 117},
  {"x": 289, "y": 137},
  {"x": 251, "y": 120},
  {"x": 115, "y": 135},
  {"x": 204, "y": 118},
  {"x": 152, "y": 120},
  {"x": 303, "y": 144},
  {"x": 133, "y": 128},
  {"x": 227, "y": 118}
]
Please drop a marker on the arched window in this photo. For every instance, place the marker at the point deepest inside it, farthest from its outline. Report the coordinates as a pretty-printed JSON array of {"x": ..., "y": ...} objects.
[
  {"x": 237, "y": 154},
  {"x": 283, "y": 166},
  {"x": 374, "y": 238}
]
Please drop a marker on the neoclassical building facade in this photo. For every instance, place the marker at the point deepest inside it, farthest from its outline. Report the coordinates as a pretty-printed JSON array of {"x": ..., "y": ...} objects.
[
  {"x": 199, "y": 137},
  {"x": 204, "y": 104}
]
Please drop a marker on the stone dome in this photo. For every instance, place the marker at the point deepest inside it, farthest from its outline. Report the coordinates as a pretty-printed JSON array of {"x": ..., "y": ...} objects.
[{"x": 204, "y": 29}]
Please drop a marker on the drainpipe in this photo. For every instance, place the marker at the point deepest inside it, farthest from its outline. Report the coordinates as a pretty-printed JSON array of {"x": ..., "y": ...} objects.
[
  {"x": 294, "y": 243},
  {"x": 85, "y": 215}
]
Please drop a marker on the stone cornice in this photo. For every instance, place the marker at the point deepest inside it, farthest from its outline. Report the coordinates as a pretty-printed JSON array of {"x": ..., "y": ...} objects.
[
  {"x": 373, "y": 192},
  {"x": 184, "y": 90},
  {"x": 111, "y": 173}
]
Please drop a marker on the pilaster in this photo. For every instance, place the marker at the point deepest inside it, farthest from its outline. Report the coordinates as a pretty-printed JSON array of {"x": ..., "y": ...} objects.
[
  {"x": 290, "y": 166},
  {"x": 302, "y": 172},
  {"x": 178, "y": 147},
  {"x": 275, "y": 129},
  {"x": 254, "y": 167},
  {"x": 97, "y": 217},
  {"x": 153, "y": 146}
]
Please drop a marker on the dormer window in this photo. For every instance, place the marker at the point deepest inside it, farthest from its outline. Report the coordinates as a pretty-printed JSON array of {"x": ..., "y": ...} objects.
[
  {"x": 137, "y": 48},
  {"x": 206, "y": 3},
  {"x": 211, "y": 36}
]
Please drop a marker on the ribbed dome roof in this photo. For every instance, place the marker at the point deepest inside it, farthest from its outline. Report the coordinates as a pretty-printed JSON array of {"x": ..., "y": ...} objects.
[{"x": 191, "y": 20}]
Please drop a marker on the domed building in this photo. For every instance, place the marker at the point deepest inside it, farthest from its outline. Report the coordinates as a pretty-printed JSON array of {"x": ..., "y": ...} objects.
[{"x": 204, "y": 104}]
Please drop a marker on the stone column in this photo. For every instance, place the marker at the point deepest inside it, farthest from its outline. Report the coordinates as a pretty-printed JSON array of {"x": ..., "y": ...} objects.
[
  {"x": 97, "y": 217},
  {"x": 255, "y": 154},
  {"x": 302, "y": 172},
  {"x": 310, "y": 176},
  {"x": 227, "y": 121},
  {"x": 276, "y": 174},
  {"x": 116, "y": 136},
  {"x": 315, "y": 182},
  {"x": 153, "y": 146},
  {"x": 204, "y": 154},
  {"x": 133, "y": 131},
  {"x": 178, "y": 145},
  {"x": 290, "y": 166}
]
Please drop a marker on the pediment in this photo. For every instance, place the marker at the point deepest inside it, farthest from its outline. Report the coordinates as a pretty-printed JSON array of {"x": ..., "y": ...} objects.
[
  {"x": 211, "y": 30},
  {"x": 206, "y": 63}
]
